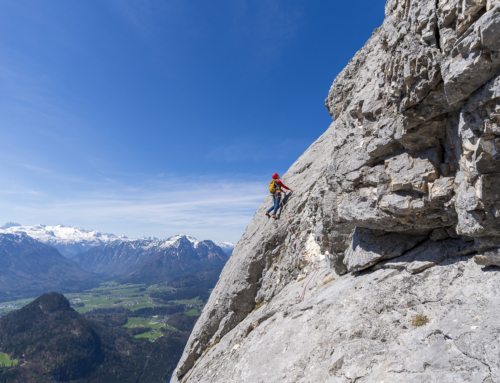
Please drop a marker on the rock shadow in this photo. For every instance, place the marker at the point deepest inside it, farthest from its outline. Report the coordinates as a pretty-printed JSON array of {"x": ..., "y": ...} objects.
[
  {"x": 286, "y": 198},
  {"x": 428, "y": 254}
]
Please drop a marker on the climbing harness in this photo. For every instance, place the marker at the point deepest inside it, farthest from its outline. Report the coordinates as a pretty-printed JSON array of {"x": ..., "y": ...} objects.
[{"x": 301, "y": 249}]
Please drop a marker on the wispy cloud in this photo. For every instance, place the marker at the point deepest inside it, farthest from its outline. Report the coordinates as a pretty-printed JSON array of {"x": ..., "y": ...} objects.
[
  {"x": 35, "y": 168},
  {"x": 148, "y": 18},
  {"x": 207, "y": 207},
  {"x": 257, "y": 150}
]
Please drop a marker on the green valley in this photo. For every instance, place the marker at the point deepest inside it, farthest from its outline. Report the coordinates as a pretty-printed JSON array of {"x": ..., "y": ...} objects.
[
  {"x": 106, "y": 333},
  {"x": 111, "y": 295}
]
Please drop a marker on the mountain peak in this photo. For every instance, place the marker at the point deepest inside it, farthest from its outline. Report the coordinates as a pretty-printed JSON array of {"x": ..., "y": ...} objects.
[
  {"x": 153, "y": 260},
  {"x": 52, "y": 302},
  {"x": 193, "y": 240},
  {"x": 227, "y": 247},
  {"x": 19, "y": 237},
  {"x": 67, "y": 239},
  {"x": 9, "y": 225}
]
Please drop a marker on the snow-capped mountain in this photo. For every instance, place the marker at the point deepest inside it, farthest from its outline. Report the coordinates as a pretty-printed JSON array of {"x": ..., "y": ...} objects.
[
  {"x": 145, "y": 261},
  {"x": 71, "y": 241},
  {"x": 227, "y": 247},
  {"x": 9, "y": 225},
  {"x": 68, "y": 240}
]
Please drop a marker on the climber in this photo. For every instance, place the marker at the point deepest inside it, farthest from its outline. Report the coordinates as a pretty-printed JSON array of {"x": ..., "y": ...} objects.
[{"x": 275, "y": 189}]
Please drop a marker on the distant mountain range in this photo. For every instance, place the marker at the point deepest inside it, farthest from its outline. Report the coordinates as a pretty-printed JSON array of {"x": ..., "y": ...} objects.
[
  {"x": 30, "y": 268},
  {"x": 71, "y": 241},
  {"x": 31, "y": 262},
  {"x": 68, "y": 240},
  {"x": 152, "y": 261}
]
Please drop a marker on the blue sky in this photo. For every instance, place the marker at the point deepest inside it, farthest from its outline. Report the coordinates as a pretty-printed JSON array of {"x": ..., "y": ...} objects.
[{"x": 153, "y": 118}]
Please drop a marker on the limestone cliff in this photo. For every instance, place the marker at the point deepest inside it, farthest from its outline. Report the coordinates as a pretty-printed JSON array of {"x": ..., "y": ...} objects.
[{"x": 398, "y": 205}]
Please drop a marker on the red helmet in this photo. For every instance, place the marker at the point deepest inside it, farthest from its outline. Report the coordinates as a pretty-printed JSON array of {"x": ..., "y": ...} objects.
[{"x": 275, "y": 175}]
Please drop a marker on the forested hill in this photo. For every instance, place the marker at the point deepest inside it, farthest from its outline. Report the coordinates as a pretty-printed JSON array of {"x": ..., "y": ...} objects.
[
  {"x": 49, "y": 335},
  {"x": 51, "y": 342}
]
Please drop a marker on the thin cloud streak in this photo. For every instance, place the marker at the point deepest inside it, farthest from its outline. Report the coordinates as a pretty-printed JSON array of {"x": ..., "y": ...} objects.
[
  {"x": 255, "y": 150},
  {"x": 35, "y": 168},
  {"x": 218, "y": 209}
]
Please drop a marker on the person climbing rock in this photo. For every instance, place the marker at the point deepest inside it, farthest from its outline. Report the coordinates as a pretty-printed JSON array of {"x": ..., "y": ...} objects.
[{"x": 275, "y": 189}]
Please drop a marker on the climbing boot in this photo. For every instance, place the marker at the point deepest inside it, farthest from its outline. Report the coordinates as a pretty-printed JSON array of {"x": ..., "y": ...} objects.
[
  {"x": 267, "y": 214},
  {"x": 274, "y": 216}
]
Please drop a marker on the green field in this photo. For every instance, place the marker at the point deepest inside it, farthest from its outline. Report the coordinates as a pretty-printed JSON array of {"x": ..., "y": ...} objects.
[
  {"x": 141, "y": 322},
  {"x": 111, "y": 294},
  {"x": 192, "y": 313},
  {"x": 151, "y": 327},
  {"x": 195, "y": 301},
  {"x": 133, "y": 322},
  {"x": 130, "y": 296},
  {"x": 6, "y": 361},
  {"x": 6, "y": 307},
  {"x": 150, "y": 335}
]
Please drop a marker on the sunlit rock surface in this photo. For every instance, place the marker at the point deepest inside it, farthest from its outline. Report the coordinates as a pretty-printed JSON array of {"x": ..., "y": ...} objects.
[{"x": 397, "y": 204}]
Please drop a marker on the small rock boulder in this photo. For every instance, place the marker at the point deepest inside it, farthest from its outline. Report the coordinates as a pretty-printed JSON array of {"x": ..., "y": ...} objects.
[{"x": 490, "y": 258}]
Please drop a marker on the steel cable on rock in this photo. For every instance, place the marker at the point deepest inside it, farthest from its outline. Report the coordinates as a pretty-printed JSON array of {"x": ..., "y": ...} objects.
[{"x": 301, "y": 249}]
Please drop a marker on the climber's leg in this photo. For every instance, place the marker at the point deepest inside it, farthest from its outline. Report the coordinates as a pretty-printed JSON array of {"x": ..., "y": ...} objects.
[
  {"x": 272, "y": 207},
  {"x": 277, "y": 201}
]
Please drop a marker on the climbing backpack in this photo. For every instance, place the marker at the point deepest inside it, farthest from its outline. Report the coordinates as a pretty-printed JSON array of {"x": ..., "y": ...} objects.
[{"x": 272, "y": 187}]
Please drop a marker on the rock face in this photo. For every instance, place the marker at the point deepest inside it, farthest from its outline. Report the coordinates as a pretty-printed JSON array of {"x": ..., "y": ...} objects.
[
  {"x": 391, "y": 204},
  {"x": 490, "y": 258}
]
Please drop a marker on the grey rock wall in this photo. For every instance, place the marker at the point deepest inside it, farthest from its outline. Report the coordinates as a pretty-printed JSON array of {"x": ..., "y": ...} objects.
[{"x": 392, "y": 201}]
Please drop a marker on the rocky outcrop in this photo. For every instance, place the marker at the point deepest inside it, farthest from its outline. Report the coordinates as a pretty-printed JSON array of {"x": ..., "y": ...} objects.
[{"x": 391, "y": 204}]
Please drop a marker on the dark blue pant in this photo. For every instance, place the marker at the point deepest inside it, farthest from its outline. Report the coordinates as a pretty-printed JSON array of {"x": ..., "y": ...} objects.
[{"x": 277, "y": 200}]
